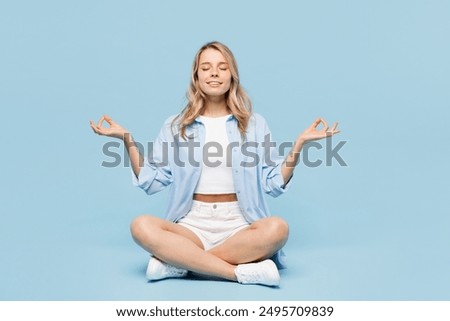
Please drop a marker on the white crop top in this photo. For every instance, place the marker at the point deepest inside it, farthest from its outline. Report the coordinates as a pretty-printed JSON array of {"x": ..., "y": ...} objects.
[{"x": 216, "y": 176}]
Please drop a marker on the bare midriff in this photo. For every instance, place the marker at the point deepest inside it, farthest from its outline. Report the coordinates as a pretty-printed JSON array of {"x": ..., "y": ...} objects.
[{"x": 215, "y": 198}]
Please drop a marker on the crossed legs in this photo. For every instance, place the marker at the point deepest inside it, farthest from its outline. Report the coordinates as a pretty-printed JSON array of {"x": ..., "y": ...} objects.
[{"x": 180, "y": 247}]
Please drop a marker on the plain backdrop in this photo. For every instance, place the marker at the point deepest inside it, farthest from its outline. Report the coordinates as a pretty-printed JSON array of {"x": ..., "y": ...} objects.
[{"x": 376, "y": 229}]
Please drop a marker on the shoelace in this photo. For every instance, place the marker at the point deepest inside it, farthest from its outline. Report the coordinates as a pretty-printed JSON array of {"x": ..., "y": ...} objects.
[
  {"x": 172, "y": 270},
  {"x": 250, "y": 276}
]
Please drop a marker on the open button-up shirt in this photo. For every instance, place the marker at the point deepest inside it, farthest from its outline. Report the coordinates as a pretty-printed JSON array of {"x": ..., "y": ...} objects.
[{"x": 177, "y": 162}]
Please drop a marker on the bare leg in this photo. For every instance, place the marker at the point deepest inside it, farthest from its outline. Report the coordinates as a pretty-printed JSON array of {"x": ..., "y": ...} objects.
[
  {"x": 259, "y": 241},
  {"x": 178, "y": 246}
]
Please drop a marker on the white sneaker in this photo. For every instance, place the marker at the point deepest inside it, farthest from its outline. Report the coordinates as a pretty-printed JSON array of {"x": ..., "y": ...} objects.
[
  {"x": 264, "y": 272},
  {"x": 157, "y": 270}
]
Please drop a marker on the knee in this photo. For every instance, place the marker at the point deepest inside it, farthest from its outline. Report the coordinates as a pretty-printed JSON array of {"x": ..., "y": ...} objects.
[
  {"x": 141, "y": 227},
  {"x": 279, "y": 229}
]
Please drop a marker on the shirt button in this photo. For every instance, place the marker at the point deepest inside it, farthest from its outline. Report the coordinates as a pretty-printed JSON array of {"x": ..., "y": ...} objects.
[
  {"x": 214, "y": 206},
  {"x": 239, "y": 192}
]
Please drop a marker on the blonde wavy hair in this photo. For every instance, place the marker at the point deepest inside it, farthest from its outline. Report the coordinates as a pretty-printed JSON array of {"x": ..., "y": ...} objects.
[{"x": 237, "y": 99}]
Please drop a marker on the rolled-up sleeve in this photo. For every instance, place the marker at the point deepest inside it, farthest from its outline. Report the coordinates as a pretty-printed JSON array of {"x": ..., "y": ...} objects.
[
  {"x": 155, "y": 174},
  {"x": 271, "y": 178}
]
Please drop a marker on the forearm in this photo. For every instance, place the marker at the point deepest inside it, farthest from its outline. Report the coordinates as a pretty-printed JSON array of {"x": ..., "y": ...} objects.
[
  {"x": 287, "y": 168},
  {"x": 136, "y": 158}
]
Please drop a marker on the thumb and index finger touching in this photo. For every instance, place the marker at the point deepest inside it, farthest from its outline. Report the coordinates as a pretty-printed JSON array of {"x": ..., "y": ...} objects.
[
  {"x": 319, "y": 120},
  {"x": 105, "y": 118},
  {"x": 98, "y": 128},
  {"x": 317, "y": 123}
]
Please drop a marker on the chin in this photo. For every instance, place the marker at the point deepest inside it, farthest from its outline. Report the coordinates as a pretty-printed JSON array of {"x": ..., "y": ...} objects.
[{"x": 214, "y": 93}]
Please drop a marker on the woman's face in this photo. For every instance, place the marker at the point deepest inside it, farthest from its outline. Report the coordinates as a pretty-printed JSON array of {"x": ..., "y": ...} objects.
[{"x": 213, "y": 73}]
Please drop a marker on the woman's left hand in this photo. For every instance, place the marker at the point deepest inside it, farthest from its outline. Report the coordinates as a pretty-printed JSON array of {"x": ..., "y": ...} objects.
[{"x": 312, "y": 133}]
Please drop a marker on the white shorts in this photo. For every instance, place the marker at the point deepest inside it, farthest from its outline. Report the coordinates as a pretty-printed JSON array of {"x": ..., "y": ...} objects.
[{"x": 214, "y": 223}]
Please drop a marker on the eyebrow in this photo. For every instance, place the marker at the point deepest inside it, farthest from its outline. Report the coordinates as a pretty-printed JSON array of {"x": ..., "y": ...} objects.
[{"x": 208, "y": 63}]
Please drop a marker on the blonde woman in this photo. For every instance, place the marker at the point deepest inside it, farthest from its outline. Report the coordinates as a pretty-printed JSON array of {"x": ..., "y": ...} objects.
[{"x": 218, "y": 159}]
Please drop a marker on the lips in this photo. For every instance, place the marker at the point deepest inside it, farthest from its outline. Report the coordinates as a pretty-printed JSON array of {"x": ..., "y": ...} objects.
[{"x": 214, "y": 83}]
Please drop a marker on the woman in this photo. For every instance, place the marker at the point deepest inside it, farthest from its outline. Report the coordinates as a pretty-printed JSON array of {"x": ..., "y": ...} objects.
[{"x": 218, "y": 158}]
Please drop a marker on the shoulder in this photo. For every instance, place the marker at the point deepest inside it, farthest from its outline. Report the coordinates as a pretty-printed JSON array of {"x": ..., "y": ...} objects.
[
  {"x": 171, "y": 121},
  {"x": 257, "y": 121},
  {"x": 256, "y": 128},
  {"x": 170, "y": 126},
  {"x": 257, "y": 118}
]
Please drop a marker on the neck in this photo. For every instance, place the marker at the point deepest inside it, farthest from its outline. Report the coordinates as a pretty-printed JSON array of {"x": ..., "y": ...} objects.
[{"x": 215, "y": 107}]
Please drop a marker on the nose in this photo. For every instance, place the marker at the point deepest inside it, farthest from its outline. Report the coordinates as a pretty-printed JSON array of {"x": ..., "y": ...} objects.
[{"x": 214, "y": 72}]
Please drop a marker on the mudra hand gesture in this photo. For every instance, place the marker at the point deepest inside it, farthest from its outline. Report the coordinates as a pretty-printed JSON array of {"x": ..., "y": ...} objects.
[
  {"x": 312, "y": 133},
  {"x": 114, "y": 129}
]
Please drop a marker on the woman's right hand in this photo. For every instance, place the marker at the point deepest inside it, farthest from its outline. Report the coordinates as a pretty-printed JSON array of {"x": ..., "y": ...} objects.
[{"x": 114, "y": 129}]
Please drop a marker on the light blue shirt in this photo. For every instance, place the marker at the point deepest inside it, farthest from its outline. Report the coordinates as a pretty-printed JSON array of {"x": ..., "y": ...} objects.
[{"x": 176, "y": 162}]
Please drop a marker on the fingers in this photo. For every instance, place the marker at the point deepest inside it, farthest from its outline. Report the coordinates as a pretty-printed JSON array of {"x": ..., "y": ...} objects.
[
  {"x": 95, "y": 128},
  {"x": 99, "y": 129},
  {"x": 108, "y": 119},
  {"x": 326, "y": 129},
  {"x": 325, "y": 125},
  {"x": 333, "y": 130},
  {"x": 317, "y": 123},
  {"x": 100, "y": 122},
  {"x": 334, "y": 126},
  {"x": 91, "y": 123}
]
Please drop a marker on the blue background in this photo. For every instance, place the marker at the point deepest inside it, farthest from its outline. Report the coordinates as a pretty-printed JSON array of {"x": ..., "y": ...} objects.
[{"x": 377, "y": 229}]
